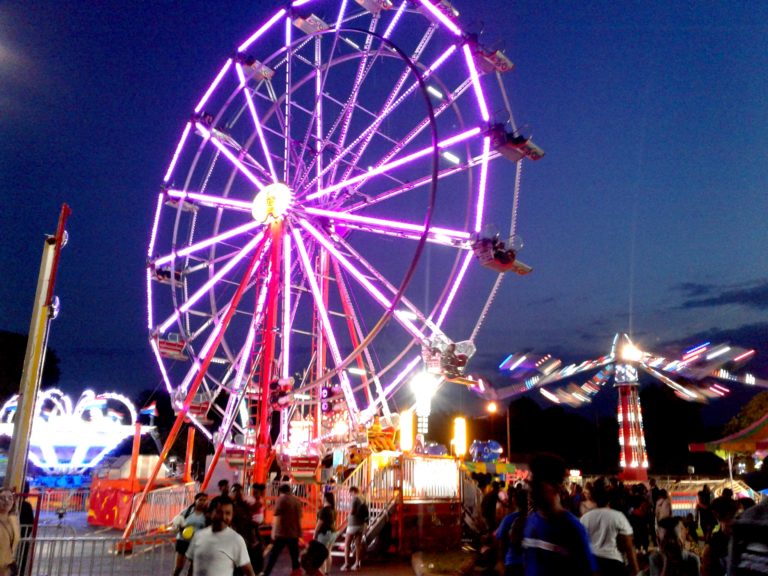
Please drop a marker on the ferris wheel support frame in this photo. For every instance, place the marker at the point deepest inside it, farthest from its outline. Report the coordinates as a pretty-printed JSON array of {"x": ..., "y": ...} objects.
[{"x": 193, "y": 388}]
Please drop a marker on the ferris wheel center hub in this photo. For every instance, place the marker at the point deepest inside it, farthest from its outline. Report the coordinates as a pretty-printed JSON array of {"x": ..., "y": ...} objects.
[{"x": 272, "y": 202}]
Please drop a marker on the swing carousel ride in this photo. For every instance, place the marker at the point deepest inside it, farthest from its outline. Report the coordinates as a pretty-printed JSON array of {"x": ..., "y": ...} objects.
[
  {"x": 314, "y": 235},
  {"x": 701, "y": 373}
]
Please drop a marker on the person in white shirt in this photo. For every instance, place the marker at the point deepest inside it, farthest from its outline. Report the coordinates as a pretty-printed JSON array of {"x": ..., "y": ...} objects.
[
  {"x": 217, "y": 550},
  {"x": 610, "y": 535}
]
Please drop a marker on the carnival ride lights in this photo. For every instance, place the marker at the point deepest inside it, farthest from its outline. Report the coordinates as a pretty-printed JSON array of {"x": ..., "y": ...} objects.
[
  {"x": 71, "y": 438},
  {"x": 295, "y": 208},
  {"x": 697, "y": 376},
  {"x": 424, "y": 387}
]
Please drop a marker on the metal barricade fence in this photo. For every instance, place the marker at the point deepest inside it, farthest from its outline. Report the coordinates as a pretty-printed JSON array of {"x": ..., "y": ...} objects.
[
  {"x": 161, "y": 506},
  {"x": 61, "y": 500},
  {"x": 92, "y": 556}
]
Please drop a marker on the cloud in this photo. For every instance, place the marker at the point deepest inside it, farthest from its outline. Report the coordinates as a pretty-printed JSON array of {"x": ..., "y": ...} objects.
[
  {"x": 753, "y": 295},
  {"x": 695, "y": 289}
]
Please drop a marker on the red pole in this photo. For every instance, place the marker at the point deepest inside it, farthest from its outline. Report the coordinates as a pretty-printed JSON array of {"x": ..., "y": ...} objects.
[
  {"x": 212, "y": 467},
  {"x": 263, "y": 440},
  {"x": 135, "y": 456},
  {"x": 190, "y": 453},
  {"x": 192, "y": 391}
]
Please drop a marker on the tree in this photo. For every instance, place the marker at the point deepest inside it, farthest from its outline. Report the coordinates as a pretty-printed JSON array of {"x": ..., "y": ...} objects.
[
  {"x": 751, "y": 412},
  {"x": 13, "y": 348}
]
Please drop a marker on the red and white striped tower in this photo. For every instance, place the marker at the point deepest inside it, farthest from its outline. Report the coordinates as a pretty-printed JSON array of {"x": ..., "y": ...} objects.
[{"x": 633, "y": 458}]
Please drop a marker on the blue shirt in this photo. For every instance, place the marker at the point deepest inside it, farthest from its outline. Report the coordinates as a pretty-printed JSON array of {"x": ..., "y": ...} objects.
[
  {"x": 511, "y": 556},
  {"x": 557, "y": 546}
]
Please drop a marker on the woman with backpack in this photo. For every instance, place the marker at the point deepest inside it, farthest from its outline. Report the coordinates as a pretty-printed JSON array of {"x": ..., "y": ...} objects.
[
  {"x": 189, "y": 521},
  {"x": 325, "y": 530}
]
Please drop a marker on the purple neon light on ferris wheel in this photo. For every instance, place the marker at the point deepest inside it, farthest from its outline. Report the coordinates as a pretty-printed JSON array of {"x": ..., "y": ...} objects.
[
  {"x": 224, "y": 150},
  {"x": 325, "y": 320},
  {"x": 261, "y": 31},
  {"x": 213, "y": 86},
  {"x": 256, "y": 121}
]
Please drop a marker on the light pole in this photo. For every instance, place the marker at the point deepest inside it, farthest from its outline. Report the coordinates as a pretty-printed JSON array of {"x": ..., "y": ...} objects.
[{"x": 492, "y": 408}]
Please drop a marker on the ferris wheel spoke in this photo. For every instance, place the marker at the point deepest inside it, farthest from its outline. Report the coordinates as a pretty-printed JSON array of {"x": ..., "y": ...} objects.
[
  {"x": 349, "y": 107},
  {"x": 381, "y": 117},
  {"x": 372, "y": 290},
  {"x": 259, "y": 240},
  {"x": 287, "y": 124},
  {"x": 418, "y": 129},
  {"x": 461, "y": 137},
  {"x": 369, "y": 201},
  {"x": 207, "y": 200},
  {"x": 410, "y": 311},
  {"x": 325, "y": 323},
  {"x": 389, "y": 227},
  {"x": 202, "y": 244},
  {"x": 286, "y": 319},
  {"x": 207, "y": 134},
  {"x": 353, "y": 326},
  {"x": 384, "y": 111},
  {"x": 256, "y": 121}
]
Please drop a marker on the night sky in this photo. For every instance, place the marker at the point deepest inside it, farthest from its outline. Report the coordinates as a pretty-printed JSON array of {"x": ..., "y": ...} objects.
[{"x": 647, "y": 215}]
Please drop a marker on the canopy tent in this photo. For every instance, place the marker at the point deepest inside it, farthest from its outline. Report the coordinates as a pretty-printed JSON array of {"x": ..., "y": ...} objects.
[{"x": 753, "y": 438}]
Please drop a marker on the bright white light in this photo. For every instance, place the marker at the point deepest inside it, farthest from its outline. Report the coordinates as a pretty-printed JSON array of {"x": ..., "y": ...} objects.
[
  {"x": 452, "y": 158},
  {"x": 631, "y": 353},
  {"x": 424, "y": 386},
  {"x": 718, "y": 352},
  {"x": 435, "y": 92},
  {"x": 271, "y": 203},
  {"x": 357, "y": 371}
]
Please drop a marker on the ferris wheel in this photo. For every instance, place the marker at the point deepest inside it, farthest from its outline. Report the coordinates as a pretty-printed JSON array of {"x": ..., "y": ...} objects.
[{"x": 314, "y": 238}]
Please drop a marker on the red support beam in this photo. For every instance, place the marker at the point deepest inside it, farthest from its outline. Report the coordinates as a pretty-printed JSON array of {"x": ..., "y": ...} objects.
[{"x": 172, "y": 435}]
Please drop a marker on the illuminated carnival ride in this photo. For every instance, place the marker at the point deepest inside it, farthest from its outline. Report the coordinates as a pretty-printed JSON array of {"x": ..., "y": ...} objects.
[
  {"x": 72, "y": 438},
  {"x": 702, "y": 373},
  {"x": 302, "y": 265}
]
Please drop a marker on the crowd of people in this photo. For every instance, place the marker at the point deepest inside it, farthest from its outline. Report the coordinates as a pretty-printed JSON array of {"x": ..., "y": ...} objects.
[
  {"x": 222, "y": 535},
  {"x": 604, "y": 528}
]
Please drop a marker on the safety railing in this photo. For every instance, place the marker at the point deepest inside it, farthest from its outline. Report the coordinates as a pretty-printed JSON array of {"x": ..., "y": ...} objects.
[
  {"x": 427, "y": 478},
  {"x": 61, "y": 500},
  {"x": 360, "y": 477},
  {"x": 161, "y": 506},
  {"x": 471, "y": 498},
  {"x": 91, "y": 556}
]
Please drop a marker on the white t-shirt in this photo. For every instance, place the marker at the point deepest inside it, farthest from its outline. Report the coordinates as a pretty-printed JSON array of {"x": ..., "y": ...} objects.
[
  {"x": 217, "y": 553},
  {"x": 603, "y": 525}
]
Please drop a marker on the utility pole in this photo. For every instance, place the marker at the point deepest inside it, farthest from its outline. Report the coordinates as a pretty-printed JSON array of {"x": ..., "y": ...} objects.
[{"x": 43, "y": 311}]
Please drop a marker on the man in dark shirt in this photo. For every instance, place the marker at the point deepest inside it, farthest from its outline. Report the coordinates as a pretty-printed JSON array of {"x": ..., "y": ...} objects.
[
  {"x": 488, "y": 506},
  {"x": 287, "y": 528}
]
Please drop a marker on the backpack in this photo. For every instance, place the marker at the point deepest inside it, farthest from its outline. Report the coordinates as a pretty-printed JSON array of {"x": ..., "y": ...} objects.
[
  {"x": 184, "y": 515},
  {"x": 363, "y": 513}
]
